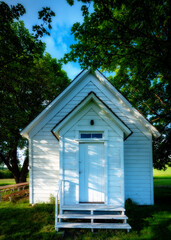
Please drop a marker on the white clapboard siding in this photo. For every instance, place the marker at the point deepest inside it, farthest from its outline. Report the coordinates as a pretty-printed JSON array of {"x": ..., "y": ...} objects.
[
  {"x": 41, "y": 166},
  {"x": 45, "y": 166},
  {"x": 43, "y": 196},
  {"x": 70, "y": 154},
  {"x": 46, "y": 151},
  {"x": 114, "y": 165},
  {"x": 42, "y": 184},
  {"x": 112, "y": 159},
  {"x": 138, "y": 165},
  {"x": 45, "y": 138},
  {"x": 45, "y": 173}
]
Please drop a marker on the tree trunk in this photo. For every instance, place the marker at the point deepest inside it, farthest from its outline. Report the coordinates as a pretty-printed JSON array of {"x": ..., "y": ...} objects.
[
  {"x": 12, "y": 164},
  {"x": 24, "y": 170},
  {"x": 20, "y": 176},
  {"x": 16, "y": 179}
]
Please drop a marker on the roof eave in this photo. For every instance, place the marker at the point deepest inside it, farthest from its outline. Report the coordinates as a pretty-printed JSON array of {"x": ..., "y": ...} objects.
[
  {"x": 152, "y": 129},
  {"x": 90, "y": 96},
  {"x": 30, "y": 126}
]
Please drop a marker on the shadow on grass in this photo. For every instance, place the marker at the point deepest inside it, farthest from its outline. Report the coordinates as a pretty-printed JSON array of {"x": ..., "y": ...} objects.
[
  {"x": 156, "y": 219},
  {"x": 21, "y": 221}
]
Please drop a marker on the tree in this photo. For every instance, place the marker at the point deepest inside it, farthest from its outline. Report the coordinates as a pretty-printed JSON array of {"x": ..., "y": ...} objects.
[
  {"x": 29, "y": 80},
  {"x": 133, "y": 40}
]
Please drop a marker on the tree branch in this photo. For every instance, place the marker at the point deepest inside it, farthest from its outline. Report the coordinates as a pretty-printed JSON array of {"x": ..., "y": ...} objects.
[{"x": 6, "y": 161}]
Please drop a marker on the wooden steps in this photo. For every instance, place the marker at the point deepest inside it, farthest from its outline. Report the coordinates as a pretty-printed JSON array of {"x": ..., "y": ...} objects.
[
  {"x": 94, "y": 207},
  {"x": 95, "y": 225},
  {"x": 92, "y": 217},
  {"x": 88, "y": 216}
]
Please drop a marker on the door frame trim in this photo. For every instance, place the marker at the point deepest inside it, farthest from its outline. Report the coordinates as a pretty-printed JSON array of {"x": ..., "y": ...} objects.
[{"x": 105, "y": 141}]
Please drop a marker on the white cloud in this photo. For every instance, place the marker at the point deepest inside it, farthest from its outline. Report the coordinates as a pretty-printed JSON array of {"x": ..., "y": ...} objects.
[
  {"x": 57, "y": 48},
  {"x": 72, "y": 69},
  {"x": 55, "y": 52},
  {"x": 65, "y": 14}
]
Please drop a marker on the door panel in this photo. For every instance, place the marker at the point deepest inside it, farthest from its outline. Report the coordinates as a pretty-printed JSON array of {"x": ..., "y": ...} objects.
[{"x": 91, "y": 172}]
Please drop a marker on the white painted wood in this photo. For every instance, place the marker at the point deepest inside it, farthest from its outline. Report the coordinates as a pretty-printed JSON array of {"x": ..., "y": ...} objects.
[
  {"x": 31, "y": 199},
  {"x": 125, "y": 101},
  {"x": 89, "y": 99},
  {"x": 56, "y": 101},
  {"x": 125, "y": 111},
  {"x": 122, "y": 169},
  {"x": 71, "y": 155},
  {"x": 92, "y": 221},
  {"x": 87, "y": 216},
  {"x": 91, "y": 172},
  {"x": 94, "y": 225},
  {"x": 137, "y": 148},
  {"x": 95, "y": 207},
  {"x": 77, "y": 165},
  {"x": 61, "y": 169},
  {"x": 45, "y": 168},
  {"x": 106, "y": 166},
  {"x": 151, "y": 173}
]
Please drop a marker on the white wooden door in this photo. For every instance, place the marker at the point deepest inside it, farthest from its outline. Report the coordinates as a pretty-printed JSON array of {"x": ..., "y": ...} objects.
[{"x": 91, "y": 172}]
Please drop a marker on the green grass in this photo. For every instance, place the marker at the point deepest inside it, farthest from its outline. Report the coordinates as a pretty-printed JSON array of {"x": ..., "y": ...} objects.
[
  {"x": 7, "y": 181},
  {"x": 20, "y": 220},
  {"x": 162, "y": 182},
  {"x": 162, "y": 178},
  {"x": 161, "y": 173}
]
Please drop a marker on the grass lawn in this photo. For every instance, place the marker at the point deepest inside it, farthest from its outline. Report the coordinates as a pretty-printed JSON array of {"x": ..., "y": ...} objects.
[
  {"x": 161, "y": 173},
  {"x": 7, "y": 181},
  {"x": 162, "y": 178},
  {"x": 20, "y": 220}
]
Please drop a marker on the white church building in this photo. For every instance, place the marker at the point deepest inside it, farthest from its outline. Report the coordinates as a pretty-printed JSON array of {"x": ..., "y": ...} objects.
[{"x": 95, "y": 148}]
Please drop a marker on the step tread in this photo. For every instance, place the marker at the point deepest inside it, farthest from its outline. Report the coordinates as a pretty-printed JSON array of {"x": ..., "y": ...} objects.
[
  {"x": 88, "y": 216},
  {"x": 94, "y": 225},
  {"x": 92, "y": 207}
]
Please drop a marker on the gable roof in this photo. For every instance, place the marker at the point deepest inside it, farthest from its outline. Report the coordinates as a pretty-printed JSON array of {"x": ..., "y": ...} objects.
[
  {"x": 77, "y": 79},
  {"x": 91, "y": 96}
]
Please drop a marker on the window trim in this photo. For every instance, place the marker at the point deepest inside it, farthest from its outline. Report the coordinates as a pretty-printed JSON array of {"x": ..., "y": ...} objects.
[{"x": 91, "y": 135}]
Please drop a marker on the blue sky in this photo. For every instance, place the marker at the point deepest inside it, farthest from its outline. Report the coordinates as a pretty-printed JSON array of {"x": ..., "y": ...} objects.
[{"x": 57, "y": 44}]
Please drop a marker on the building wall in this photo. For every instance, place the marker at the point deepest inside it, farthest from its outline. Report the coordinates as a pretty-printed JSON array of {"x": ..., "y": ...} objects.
[
  {"x": 113, "y": 146},
  {"x": 45, "y": 167},
  {"x": 138, "y": 168},
  {"x": 44, "y": 156}
]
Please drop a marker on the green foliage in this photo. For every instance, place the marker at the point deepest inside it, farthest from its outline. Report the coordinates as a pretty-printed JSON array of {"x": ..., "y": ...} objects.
[
  {"x": 5, "y": 174},
  {"x": 46, "y": 15},
  {"x": 162, "y": 147},
  {"x": 29, "y": 80},
  {"x": 132, "y": 39},
  {"x": 52, "y": 199}
]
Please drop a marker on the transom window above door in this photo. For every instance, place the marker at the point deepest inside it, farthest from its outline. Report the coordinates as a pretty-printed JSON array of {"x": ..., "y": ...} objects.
[{"x": 89, "y": 135}]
